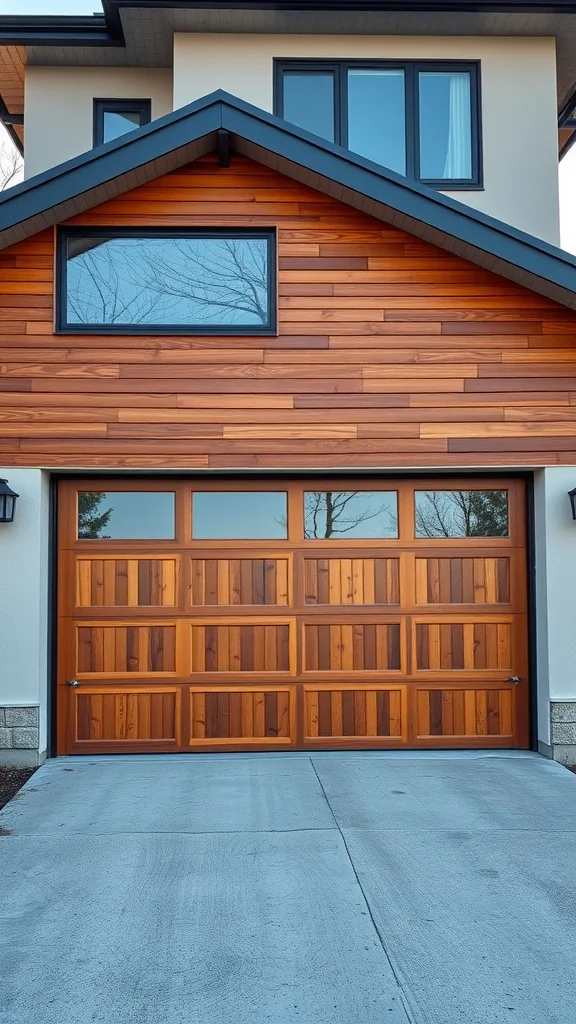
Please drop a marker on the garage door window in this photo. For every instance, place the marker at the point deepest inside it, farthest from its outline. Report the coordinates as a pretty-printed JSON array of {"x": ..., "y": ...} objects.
[
  {"x": 125, "y": 515},
  {"x": 461, "y": 513},
  {"x": 239, "y": 515},
  {"x": 336, "y": 514}
]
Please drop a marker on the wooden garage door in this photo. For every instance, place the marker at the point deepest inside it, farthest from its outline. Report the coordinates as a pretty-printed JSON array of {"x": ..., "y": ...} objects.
[{"x": 291, "y": 614}]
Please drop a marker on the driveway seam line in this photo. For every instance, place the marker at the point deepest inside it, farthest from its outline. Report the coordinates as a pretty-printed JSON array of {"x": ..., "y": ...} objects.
[{"x": 403, "y": 996}]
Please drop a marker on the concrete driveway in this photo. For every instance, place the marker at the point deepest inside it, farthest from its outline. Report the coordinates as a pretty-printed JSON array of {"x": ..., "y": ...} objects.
[{"x": 325, "y": 889}]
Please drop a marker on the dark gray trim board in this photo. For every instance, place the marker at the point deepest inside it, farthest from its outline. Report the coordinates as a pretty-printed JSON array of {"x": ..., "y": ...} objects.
[{"x": 184, "y": 135}]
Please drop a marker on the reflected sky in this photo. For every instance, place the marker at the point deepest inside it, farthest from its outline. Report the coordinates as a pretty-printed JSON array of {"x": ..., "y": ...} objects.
[
  {"x": 163, "y": 281},
  {"x": 118, "y": 123},
  {"x": 126, "y": 515},
  {"x": 377, "y": 117},
  {"x": 239, "y": 515}
]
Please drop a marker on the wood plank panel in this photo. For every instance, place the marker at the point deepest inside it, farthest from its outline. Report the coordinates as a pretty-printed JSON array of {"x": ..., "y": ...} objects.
[
  {"x": 122, "y": 716},
  {"x": 352, "y": 646},
  {"x": 447, "y": 715},
  {"x": 463, "y": 646},
  {"x": 461, "y": 580},
  {"x": 337, "y": 581},
  {"x": 224, "y": 716},
  {"x": 263, "y": 646},
  {"x": 132, "y": 582},
  {"x": 345, "y": 718},
  {"x": 115, "y": 649},
  {"x": 239, "y": 581}
]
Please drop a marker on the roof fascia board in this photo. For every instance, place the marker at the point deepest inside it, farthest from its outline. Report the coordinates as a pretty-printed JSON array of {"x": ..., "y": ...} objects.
[
  {"x": 64, "y": 30},
  {"x": 507, "y": 6}
]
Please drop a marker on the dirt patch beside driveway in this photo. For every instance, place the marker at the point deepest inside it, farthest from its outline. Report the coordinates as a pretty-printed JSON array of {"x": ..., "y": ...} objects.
[{"x": 11, "y": 780}]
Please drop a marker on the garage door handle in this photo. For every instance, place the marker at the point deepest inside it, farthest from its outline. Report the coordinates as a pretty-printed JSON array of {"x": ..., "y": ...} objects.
[
  {"x": 510, "y": 679},
  {"x": 73, "y": 682}
]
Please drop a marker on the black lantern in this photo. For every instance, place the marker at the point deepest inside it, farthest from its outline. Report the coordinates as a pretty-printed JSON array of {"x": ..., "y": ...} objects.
[
  {"x": 572, "y": 496},
  {"x": 7, "y": 502}
]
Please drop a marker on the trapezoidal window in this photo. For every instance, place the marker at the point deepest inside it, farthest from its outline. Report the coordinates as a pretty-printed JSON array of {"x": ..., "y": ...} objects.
[
  {"x": 166, "y": 282},
  {"x": 113, "y": 118}
]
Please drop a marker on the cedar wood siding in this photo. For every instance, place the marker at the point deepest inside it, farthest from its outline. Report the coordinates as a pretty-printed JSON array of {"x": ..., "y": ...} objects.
[{"x": 390, "y": 352}]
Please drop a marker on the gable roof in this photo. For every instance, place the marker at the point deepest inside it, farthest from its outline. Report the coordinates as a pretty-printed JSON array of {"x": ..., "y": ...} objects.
[{"x": 179, "y": 138}]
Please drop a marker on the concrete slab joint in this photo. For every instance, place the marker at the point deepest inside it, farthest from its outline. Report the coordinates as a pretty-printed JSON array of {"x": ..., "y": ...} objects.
[
  {"x": 563, "y": 731},
  {"x": 19, "y": 734}
]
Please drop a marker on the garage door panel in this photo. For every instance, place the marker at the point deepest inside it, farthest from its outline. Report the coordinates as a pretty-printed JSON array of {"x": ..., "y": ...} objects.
[
  {"x": 354, "y": 646},
  {"x": 465, "y": 645},
  {"x": 125, "y": 714},
  {"x": 353, "y": 580},
  {"x": 465, "y": 712},
  {"x": 244, "y": 645},
  {"x": 127, "y": 581},
  {"x": 118, "y": 648},
  {"x": 238, "y": 715},
  {"x": 458, "y": 579},
  {"x": 361, "y": 712},
  {"x": 240, "y": 580}
]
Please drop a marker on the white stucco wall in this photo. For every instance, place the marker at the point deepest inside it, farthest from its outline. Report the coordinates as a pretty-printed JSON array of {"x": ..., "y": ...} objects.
[
  {"x": 24, "y": 595},
  {"x": 555, "y": 588},
  {"x": 518, "y": 83},
  {"x": 58, "y": 104}
]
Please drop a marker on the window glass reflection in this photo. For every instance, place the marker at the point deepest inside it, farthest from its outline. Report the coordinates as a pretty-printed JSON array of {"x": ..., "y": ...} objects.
[
  {"x": 239, "y": 515},
  {"x": 445, "y": 125},
  {"x": 117, "y": 123},
  {"x": 309, "y": 102},
  {"x": 461, "y": 513},
  {"x": 125, "y": 515},
  {"x": 337, "y": 514},
  {"x": 376, "y": 116},
  {"x": 163, "y": 281}
]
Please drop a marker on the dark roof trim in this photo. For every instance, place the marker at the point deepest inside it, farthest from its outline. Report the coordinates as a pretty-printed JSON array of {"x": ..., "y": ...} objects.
[
  {"x": 52, "y": 196},
  {"x": 9, "y": 126},
  {"x": 60, "y": 30}
]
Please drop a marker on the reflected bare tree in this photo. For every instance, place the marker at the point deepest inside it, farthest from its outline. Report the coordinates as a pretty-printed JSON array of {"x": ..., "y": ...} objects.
[
  {"x": 118, "y": 281},
  {"x": 462, "y": 514},
  {"x": 11, "y": 166},
  {"x": 334, "y": 513}
]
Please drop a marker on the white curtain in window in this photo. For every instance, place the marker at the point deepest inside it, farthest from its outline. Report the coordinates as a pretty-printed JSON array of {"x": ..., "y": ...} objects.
[{"x": 458, "y": 156}]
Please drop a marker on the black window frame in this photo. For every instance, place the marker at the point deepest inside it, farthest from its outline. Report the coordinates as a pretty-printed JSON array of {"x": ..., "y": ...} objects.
[
  {"x": 118, "y": 106},
  {"x": 411, "y": 68},
  {"x": 247, "y": 330}
]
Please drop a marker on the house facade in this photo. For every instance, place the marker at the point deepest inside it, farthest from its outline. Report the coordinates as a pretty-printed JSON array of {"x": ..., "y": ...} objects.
[{"x": 287, "y": 379}]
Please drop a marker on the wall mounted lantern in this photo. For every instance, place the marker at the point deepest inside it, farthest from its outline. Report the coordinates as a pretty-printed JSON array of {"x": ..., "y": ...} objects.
[
  {"x": 7, "y": 502},
  {"x": 572, "y": 496}
]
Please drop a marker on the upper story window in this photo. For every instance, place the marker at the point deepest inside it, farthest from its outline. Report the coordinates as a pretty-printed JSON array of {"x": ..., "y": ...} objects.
[
  {"x": 138, "y": 281},
  {"x": 113, "y": 118},
  {"x": 420, "y": 119}
]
